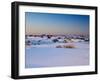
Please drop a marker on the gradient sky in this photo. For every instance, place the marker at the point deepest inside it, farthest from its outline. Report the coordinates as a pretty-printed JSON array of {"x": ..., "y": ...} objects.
[{"x": 49, "y": 23}]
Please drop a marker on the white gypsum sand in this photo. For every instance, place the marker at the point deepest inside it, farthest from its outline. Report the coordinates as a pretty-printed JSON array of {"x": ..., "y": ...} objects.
[{"x": 48, "y": 56}]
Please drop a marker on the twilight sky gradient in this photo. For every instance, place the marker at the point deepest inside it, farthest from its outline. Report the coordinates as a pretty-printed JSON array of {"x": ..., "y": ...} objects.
[{"x": 51, "y": 23}]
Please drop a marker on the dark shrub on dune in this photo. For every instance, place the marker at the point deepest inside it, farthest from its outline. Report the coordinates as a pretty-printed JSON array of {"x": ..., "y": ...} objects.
[
  {"x": 28, "y": 42},
  {"x": 59, "y": 46},
  {"x": 49, "y": 36},
  {"x": 55, "y": 40}
]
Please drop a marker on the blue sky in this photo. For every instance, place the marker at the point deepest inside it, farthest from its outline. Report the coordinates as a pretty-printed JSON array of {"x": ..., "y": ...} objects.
[{"x": 50, "y": 23}]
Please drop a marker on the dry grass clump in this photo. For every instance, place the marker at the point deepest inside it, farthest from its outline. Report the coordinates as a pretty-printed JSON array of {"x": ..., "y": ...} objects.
[
  {"x": 59, "y": 46},
  {"x": 66, "y": 46},
  {"x": 69, "y": 46}
]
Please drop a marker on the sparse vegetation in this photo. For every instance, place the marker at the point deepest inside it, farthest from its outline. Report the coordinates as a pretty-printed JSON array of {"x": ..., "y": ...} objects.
[
  {"x": 66, "y": 46},
  {"x": 55, "y": 40},
  {"x": 59, "y": 46},
  {"x": 69, "y": 46}
]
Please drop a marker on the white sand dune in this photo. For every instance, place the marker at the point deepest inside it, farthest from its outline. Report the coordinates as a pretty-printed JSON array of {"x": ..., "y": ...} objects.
[{"x": 49, "y": 56}]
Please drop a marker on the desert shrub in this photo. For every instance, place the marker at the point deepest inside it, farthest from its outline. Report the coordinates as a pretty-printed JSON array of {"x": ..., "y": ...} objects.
[
  {"x": 66, "y": 46},
  {"x": 59, "y": 46},
  {"x": 65, "y": 41},
  {"x": 55, "y": 40},
  {"x": 28, "y": 42},
  {"x": 69, "y": 46},
  {"x": 49, "y": 36}
]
